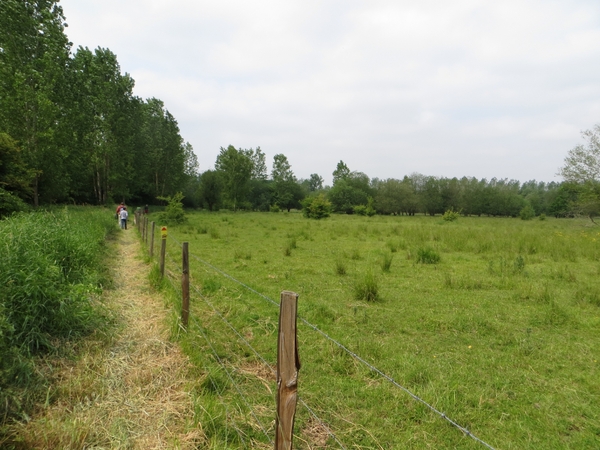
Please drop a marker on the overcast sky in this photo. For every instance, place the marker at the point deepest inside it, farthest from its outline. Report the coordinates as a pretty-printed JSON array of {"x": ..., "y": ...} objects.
[{"x": 447, "y": 88}]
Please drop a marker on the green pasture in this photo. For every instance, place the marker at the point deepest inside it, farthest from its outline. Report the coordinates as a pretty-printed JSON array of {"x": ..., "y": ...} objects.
[{"x": 494, "y": 322}]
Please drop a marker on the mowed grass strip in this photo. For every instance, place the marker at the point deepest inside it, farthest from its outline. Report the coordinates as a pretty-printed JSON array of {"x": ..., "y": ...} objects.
[{"x": 495, "y": 324}]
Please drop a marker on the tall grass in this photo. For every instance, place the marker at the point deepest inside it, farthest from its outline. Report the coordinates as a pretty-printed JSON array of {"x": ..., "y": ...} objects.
[{"x": 50, "y": 276}]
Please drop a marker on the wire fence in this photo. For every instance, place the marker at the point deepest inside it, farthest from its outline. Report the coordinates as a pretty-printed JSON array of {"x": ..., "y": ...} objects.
[{"x": 335, "y": 342}]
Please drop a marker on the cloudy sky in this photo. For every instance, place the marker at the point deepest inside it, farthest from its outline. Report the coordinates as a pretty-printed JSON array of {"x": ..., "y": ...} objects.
[{"x": 447, "y": 88}]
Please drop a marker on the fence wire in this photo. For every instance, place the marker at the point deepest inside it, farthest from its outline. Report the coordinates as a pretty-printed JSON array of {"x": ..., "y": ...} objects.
[
  {"x": 223, "y": 366},
  {"x": 267, "y": 364},
  {"x": 349, "y": 352}
]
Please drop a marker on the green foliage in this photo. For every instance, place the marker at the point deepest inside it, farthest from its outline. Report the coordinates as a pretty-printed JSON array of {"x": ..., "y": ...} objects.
[
  {"x": 450, "y": 215},
  {"x": 316, "y": 207},
  {"x": 173, "y": 213},
  {"x": 275, "y": 208},
  {"x": 427, "y": 255},
  {"x": 360, "y": 210},
  {"x": 527, "y": 213},
  {"x": 10, "y": 203},
  {"x": 50, "y": 275},
  {"x": 340, "y": 267}
]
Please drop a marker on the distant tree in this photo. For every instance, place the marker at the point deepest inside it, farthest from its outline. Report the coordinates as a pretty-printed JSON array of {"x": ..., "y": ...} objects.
[
  {"x": 341, "y": 172},
  {"x": 582, "y": 167},
  {"x": 259, "y": 164},
  {"x": 316, "y": 207},
  {"x": 315, "y": 182},
  {"x": 287, "y": 193},
  {"x": 582, "y": 163},
  {"x": 235, "y": 167},
  {"x": 210, "y": 189}
]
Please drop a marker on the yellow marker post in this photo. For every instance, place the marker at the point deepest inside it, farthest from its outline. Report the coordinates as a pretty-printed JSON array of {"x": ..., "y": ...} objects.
[{"x": 163, "y": 232}]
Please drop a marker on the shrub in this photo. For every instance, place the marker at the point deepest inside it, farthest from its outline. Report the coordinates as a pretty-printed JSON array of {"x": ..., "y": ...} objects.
[
  {"x": 275, "y": 208},
  {"x": 451, "y": 215},
  {"x": 367, "y": 288},
  {"x": 542, "y": 216},
  {"x": 316, "y": 207},
  {"x": 427, "y": 256},
  {"x": 360, "y": 210},
  {"x": 173, "y": 213},
  {"x": 527, "y": 213}
]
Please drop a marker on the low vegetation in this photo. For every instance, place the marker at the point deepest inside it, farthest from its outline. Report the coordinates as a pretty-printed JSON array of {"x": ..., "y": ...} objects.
[
  {"x": 51, "y": 274},
  {"x": 492, "y": 321}
]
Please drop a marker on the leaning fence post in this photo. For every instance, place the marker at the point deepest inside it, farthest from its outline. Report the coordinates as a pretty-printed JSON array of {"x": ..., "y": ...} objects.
[
  {"x": 163, "y": 250},
  {"x": 152, "y": 240},
  {"x": 288, "y": 366},
  {"x": 185, "y": 285}
]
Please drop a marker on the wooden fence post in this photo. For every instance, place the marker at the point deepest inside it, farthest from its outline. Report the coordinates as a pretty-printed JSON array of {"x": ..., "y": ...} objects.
[
  {"x": 288, "y": 366},
  {"x": 146, "y": 229},
  {"x": 152, "y": 240},
  {"x": 163, "y": 250},
  {"x": 185, "y": 285}
]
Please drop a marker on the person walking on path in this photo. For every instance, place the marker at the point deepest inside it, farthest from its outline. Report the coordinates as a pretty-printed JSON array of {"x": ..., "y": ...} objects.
[
  {"x": 123, "y": 215},
  {"x": 119, "y": 208}
]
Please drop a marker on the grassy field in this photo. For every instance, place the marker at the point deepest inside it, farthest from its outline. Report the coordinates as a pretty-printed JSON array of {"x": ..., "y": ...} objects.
[{"x": 494, "y": 322}]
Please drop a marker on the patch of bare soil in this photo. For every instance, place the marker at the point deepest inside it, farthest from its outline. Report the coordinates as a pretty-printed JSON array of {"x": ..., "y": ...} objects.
[{"x": 129, "y": 392}]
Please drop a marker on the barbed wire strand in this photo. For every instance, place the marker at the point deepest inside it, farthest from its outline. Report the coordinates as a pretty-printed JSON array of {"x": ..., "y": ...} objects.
[
  {"x": 222, "y": 364},
  {"x": 351, "y": 353},
  {"x": 214, "y": 383},
  {"x": 267, "y": 364}
]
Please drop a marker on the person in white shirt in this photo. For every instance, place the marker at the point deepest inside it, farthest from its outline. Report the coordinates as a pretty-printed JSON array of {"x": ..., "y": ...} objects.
[{"x": 123, "y": 215}]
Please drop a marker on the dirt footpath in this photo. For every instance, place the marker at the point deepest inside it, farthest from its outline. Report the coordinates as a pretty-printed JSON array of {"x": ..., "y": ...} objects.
[{"x": 128, "y": 391}]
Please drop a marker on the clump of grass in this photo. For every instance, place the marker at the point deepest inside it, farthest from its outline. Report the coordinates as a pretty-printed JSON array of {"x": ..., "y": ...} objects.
[
  {"x": 355, "y": 255},
  {"x": 386, "y": 262},
  {"x": 287, "y": 250},
  {"x": 214, "y": 233},
  {"x": 427, "y": 255},
  {"x": 393, "y": 246},
  {"x": 210, "y": 286},
  {"x": 202, "y": 230},
  {"x": 367, "y": 288},
  {"x": 340, "y": 267}
]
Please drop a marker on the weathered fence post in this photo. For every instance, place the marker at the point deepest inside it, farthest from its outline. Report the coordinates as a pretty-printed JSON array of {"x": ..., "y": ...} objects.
[
  {"x": 152, "y": 240},
  {"x": 146, "y": 229},
  {"x": 288, "y": 366},
  {"x": 185, "y": 285},
  {"x": 163, "y": 250}
]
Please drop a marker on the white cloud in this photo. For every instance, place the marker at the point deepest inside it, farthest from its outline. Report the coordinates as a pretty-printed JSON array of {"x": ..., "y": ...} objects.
[{"x": 445, "y": 88}]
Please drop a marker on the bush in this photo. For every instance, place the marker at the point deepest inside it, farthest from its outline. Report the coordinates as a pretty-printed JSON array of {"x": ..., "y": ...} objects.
[
  {"x": 316, "y": 207},
  {"x": 527, "y": 213},
  {"x": 360, "y": 210},
  {"x": 275, "y": 208},
  {"x": 451, "y": 215},
  {"x": 173, "y": 213}
]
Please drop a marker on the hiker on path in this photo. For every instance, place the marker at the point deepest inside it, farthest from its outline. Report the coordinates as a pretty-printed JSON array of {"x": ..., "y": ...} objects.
[
  {"x": 119, "y": 208},
  {"x": 146, "y": 209},
  {"x": 123, "y": 215}
]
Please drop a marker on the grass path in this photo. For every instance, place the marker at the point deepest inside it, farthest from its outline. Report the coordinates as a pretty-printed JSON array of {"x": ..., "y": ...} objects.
[{"x": 127, "y": 390}]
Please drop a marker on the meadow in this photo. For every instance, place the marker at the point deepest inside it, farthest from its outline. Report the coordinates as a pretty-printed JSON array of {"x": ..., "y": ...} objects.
[{"x": 492, "y": 321}]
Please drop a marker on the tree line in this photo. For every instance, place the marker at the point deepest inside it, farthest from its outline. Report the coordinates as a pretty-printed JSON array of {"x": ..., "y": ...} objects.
[
  {"x": 71, "y": 129},
  {"x": 241, "y": 180}
]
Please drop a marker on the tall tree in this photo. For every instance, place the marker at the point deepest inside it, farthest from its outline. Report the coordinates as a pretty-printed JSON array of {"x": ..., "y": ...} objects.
[
  {"x": 235, "y": 167},
  {"x": 34, "y": 53}
]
